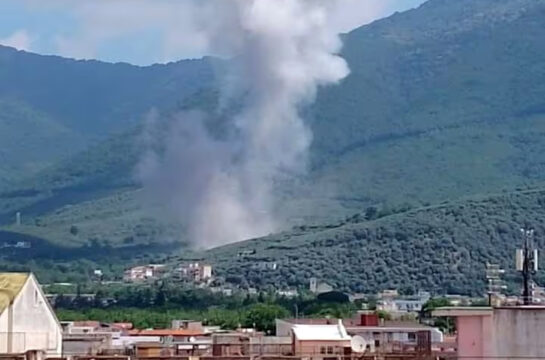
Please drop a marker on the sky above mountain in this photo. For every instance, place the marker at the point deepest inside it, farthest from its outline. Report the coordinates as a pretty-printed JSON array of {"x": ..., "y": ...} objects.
[{"x": 139, "y": 31}]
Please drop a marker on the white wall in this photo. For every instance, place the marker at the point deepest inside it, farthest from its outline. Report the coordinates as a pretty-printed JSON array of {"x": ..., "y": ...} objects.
[{"x": 34, "y": 325}]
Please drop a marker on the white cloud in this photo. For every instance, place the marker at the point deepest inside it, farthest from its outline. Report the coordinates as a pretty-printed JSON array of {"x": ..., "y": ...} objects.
[
  {"x": 102, "y": 21},
  {"x": 181, "y": 33},
  {"x": 20, "y": 40}
]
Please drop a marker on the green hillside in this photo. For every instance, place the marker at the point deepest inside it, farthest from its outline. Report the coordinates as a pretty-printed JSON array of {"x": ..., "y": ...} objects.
[
  {"x": 52, "y": 108},
  {"x": 95, "y": 97},
  {"x": 443, "y": 249},
  {"x": 26, "y": 136},
  {"x": 444, "y": 101}
]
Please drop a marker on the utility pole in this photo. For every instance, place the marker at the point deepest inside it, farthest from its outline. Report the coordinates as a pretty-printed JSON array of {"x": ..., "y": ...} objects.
[{"x": 527, "y": 263}]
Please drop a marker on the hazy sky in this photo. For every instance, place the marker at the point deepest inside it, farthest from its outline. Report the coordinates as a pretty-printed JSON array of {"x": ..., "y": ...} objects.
[{"x": 137, "y": 31}]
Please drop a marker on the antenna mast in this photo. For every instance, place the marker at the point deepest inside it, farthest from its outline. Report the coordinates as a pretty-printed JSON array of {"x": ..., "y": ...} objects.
[{"x": 527, "y": 263}]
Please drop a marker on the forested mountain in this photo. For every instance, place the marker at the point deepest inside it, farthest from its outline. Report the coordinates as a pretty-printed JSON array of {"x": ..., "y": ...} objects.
[
  {"x": 46, "y": 100},
  {"x": 444, "y": 101},
  {"x": 443, "y": 249}
]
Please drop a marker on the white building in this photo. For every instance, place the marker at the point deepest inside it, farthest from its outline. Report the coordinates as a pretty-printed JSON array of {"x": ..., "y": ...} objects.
[
  {"x": 320, "y": 341},
  {"x": 27, "y": 322},
  {"x": 142, "y": 273}
]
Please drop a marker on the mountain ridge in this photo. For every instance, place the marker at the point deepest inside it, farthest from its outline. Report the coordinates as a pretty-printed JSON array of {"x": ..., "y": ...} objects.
[{"x": 424, "y": 117}]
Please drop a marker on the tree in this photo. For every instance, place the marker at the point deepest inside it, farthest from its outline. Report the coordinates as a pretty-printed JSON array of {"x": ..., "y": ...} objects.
[
  {"x": 446, "y": 325},
  {"x": 74, "y": 230},
  {"x": 433, "y": 304},
  {"x": 263, "y": 316},
  {"x": 160, "y": 297}
]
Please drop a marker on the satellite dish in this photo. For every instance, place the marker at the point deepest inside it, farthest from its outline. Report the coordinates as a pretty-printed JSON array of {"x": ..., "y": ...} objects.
[{"x": 358, "y": 344}]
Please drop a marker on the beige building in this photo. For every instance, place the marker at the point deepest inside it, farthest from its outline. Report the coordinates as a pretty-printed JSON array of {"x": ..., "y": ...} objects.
[
  {"x": 196, "y": 272},
  {"x": 27, "y": 322},
  {"x": 142, "y": 273}
]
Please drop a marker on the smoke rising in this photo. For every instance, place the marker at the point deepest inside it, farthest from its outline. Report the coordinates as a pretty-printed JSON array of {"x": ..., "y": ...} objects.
[{"x": 280, "y": 52}]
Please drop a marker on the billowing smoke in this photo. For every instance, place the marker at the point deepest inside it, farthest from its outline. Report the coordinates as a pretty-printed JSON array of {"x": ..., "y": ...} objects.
[{"x": 280, "y": 52}]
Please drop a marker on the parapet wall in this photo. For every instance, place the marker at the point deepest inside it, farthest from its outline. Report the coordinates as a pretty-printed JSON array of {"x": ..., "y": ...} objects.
[{"x": 519, "y": 332}]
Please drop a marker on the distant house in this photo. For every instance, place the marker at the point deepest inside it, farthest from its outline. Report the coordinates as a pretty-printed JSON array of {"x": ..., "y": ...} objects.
[
  {"x": 27, "y": 322},
  {"x": 393, "y": 303},
  {"x": 196, "y": 272},
  {"x": 289, "y": 293},
  {"x": 265, "y": 265},
  {"x": 142, "y": 273}
]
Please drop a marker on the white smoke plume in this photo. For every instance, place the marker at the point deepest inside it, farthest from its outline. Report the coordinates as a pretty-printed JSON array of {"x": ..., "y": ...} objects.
[{"x": 281, "y": 51}]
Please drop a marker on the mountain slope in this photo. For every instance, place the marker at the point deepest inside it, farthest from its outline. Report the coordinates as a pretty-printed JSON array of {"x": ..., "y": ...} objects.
[
  {"x": 26, "y": 136},
  {"x": 96, "y": 97},
  {"x": 74, "y": 104},
  {"x": 443, "y": 249},
  {"x": 444, "y": 101}
]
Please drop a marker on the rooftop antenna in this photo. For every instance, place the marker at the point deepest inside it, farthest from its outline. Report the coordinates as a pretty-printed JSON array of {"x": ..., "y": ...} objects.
[
  {"x": 495, "y": 282},
  {"x": 527, "y": 262}
]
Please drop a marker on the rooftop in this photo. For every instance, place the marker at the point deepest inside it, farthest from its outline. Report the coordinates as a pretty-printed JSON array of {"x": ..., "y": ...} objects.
[
  {"x": 321, "y": 332},
  {"x": 165, "y": 332},
  {"x": 463, "y": 311},
  {"x": 10, "y": 285},
  {"x": 355, "y": 323}
]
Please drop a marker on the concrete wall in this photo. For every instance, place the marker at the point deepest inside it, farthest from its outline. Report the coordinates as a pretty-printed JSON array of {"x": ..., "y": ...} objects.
[
  {"x": 313, "y": 348},
  {"x": 34, "y": 325},
  {"x": 519, "y": 332},
  {"x": 503, "y": 332},
  {"x": 283, "y": 328},
  {"x": 471, "y": 338}
]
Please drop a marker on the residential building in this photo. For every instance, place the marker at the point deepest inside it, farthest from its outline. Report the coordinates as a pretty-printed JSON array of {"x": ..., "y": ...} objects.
[
  {"x": 289, "y": 293},
  {"x": 187, "y": 325},
  {"x": 196, "y": 272},
  {"x": 320, "y": 341},
  {"x": 27, "y": 321},
  {"x": 316, "y": 287},
  {"x": 379, "y": 335},
  {"x": 265, "y": 265},
  {"x": 87, "y": 338},
  {"x": 142, "y": 273},
  {"x": 388, "y": 336},
  {"x": 388, "y": 294},
  {"x": 501, "y": 332}
]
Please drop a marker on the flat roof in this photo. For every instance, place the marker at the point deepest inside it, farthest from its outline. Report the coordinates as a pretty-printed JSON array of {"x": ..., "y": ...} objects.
[
  {"x": 321, "y": 332},
  {"x": 463, "y": 311}
]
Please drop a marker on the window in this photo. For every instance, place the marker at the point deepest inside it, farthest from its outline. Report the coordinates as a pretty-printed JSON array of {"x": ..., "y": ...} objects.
[
  {"x": 322, "y": 349},
  {"x": 36, "y": 298},
  {"x": 412, "y": 337},
  {"x": 330, "y": 349},
  {"x": 377, "y": 344}
]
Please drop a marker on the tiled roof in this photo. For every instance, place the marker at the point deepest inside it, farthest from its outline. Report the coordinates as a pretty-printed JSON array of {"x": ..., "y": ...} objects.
[{"x": 10, "y": 286}]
